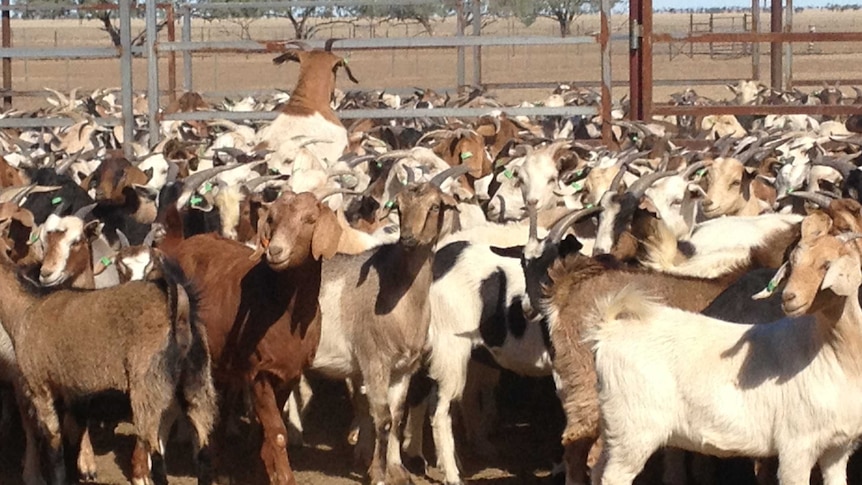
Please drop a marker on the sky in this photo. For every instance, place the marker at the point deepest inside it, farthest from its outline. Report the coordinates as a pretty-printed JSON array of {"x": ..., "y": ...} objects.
[{"x": 663, "y": 4}]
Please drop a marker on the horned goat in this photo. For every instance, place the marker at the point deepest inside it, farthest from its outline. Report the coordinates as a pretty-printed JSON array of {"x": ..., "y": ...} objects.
[{"x": 793, "y": 382}]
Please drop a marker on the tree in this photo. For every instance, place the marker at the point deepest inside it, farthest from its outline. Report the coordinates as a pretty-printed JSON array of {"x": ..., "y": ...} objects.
[
  {"x": 421, "y": 14},
  {"x": 562, "y": 11}
]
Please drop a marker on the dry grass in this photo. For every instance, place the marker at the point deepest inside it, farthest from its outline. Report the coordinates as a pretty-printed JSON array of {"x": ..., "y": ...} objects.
[{"x": 433, "y": 68}]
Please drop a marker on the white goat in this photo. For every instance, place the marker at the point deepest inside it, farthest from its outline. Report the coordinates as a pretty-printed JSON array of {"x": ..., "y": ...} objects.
[{"x": 791, "y": 388}]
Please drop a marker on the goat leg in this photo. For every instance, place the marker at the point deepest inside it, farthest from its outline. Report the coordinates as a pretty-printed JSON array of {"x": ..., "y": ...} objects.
[{"x": 273, "y": 450}]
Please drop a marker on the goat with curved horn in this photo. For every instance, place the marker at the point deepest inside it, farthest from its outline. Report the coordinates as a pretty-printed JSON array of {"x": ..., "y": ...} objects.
[
  {"x": 691, "y": 169},
  {"x": 85, "y": 211},
  {"x": 618, "y": 178},
  {"x": 252, "y": 184},
  {"x": 124, "y": 241},
  {"x": 452, "y": 172},
  {"x": 813, "y": 197},
  {"x": 555, "y": 234},
  {"x": 639, "y": 188}
]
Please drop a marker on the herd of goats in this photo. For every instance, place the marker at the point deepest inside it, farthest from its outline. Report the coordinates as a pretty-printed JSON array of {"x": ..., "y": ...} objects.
[{"x": 198, "y": 281}]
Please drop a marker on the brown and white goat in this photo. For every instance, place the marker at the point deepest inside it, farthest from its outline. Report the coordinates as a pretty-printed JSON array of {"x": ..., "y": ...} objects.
[
  {"x": 142, "y": 339},
  {"x": 308, "y": 115},
  {"x": 376, "y": 317},
  {"x": 735, "y": 190},
  {"x": 263, "y": 317}
]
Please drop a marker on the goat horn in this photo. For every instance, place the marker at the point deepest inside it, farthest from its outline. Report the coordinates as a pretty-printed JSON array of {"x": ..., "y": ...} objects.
[
  {"x": 813, "y": 197},
  {"x": 148, "y": 239},
  {"x": 353, "y": 163},
  {"x": 327, "y": 46},
  {"x": 618, "y": 178},
  {"x": 555, "y": 235},
  {"x": 124, "y": 241},
  {"x": 691, "y": 169},
  {"x": 338, "y": 191},
  {"x": 456, "y": 171},
  {"x": 642, "y": 184},
  {"x": 21, "y": 193},
  {"x": 83, "y": 212},
  {"x": 846, "y": 237},
  {"x": 193, "y": 181},
  {"x": 251, "y": 185},
  {"x": 411, "y": 177},
  {"x": 773, "y": 283}
]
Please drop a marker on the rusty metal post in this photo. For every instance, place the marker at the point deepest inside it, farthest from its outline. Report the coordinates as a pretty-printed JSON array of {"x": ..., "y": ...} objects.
[
  {"x": 477, "y": 50},
  {"x": 646, "y": 58},
  {"x": 126, "y": 76},
  {"x": 635, "y": 72},
  {"x": 775, "y": 20},
  {"x": 172, "y": 56},
  {"x": 459, "y": 12},
  {"x": 7, "y": 61},
  {"x": 788, "y": 47},
  {"x": 607, "y": 95},
  {"x": 755, "y": 46},
  {"x": 152, "y": 73}
]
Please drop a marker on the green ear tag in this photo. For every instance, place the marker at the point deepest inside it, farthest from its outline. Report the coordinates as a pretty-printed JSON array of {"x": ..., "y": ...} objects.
[
  {"x": 274, "y": 171},
  {"x": 508, "y": 173},
  {"x": 56, "y": 200},
  {"x": 389, "y": 204},
  {"x": 208, "y": 187},
  {"x": 790, "y": 190},
  {"x": 579, "y": 172},
  {"x": 577, "y": 186},
  {"x": 770, "y": 287},
  {"x": 34, "y": 237},
  {"x": 195, "y": 200},
  {"x": 701, "y": 172},
  {"x": 589, "y": 206},
  {"x": 466, "y": 155},
  {"x": 106, "y": 261}
]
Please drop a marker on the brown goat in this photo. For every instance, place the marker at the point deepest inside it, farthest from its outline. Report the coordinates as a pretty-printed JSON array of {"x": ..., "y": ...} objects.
[
  {"x": 113, "y": 176},
  {"x": 576, "y": 279},
  {"x": 142, "y": 339},
  {"x": 263, "y": 317}
]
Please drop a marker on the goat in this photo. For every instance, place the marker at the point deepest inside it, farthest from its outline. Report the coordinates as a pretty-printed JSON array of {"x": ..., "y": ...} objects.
[
  {"x": 555, "y": 281},
  {"x": 308, "y": 113},
  {"x": 734, "y": 189},
  {"x": 263, "y": 317},
  {"x": 378, "y": 329},
  {"x": 143, "y": 339},
  {"x": 793, "y": 381}
]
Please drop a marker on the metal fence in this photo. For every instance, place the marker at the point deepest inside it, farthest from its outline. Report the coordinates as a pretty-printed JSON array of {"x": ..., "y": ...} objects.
[{"x": 153, "y": 49}]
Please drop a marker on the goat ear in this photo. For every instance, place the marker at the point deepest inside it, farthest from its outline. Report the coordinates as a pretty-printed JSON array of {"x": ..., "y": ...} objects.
[
  {"x": 647, "y": 205},
  {"x": 93, "y": 229},
  {"x": 842, "y": 277},
  {"x": 343, "y": 63},
  {"x": 327, "y": 233}
]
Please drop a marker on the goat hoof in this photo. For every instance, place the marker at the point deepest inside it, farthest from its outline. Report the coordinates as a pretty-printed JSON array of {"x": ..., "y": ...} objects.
[
  {"x": 398, "y": 475},
  {"x": 89, "y": 477},
  {"x": 416, "y": 465}
]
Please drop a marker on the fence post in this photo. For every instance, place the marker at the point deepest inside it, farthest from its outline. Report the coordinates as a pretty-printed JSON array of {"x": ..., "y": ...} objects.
[
  {"x": 152, "y": 74},
  {"x": 607, "y": 85},
  {"x": 775, "y": 20},
  {"x": 7, "y": 61},
  {"x": 755, "y": 47},
  {"x": 477, "y": 50},
  {"x": 126, "y": 76},
  {"x": 788, "y": 47},
  {"x": 459, "y": 11},
  {"x": 172, "y": 55},
  {"x": 187, "y": 54}
]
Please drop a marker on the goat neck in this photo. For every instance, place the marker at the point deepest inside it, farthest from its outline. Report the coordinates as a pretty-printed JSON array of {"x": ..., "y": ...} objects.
[
  {"x": 314, "y": 90},
  {"x": 16, "y": 297}
]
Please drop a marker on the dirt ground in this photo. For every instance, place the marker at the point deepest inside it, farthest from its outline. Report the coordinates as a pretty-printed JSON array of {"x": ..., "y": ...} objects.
[
  {"x": 224, "y": 74},
  {"x": 526, "y": 437}
]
